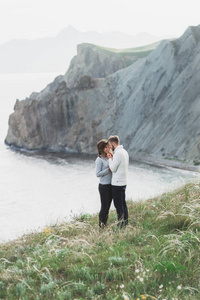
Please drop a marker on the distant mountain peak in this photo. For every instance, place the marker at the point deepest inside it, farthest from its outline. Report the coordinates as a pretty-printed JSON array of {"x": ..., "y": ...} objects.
[
  {"x": 69, "y": 29},
  {"x": 54, "y": 54}
]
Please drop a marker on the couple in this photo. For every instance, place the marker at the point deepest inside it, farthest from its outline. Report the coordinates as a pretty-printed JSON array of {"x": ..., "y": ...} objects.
[{"x": 112, "y": 167}]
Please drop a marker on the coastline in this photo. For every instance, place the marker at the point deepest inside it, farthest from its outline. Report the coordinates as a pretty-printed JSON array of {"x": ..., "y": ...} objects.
[
  {"x": 162, "y": 162},
  {"x": 144, "y": 158}
]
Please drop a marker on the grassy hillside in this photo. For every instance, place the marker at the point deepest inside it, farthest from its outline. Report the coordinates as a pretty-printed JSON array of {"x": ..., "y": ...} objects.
[
  {"x": 155, "y": 257},
  {"x": 131, "y": 50},
  {"x": 129, "y": 55}
]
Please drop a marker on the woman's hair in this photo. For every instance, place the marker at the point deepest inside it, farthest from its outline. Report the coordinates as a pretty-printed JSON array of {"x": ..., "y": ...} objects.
[{"x": 100, "y": 147}]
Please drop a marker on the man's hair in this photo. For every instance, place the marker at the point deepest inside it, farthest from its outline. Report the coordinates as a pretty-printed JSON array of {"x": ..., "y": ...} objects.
[
  {"x": 114, "y": 138},
  {"x": 101, "y": 146}
]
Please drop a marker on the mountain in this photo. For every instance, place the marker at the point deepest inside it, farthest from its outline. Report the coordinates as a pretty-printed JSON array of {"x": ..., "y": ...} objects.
[
  {"x": 54, "y": 54},
  {"x": 99, "y": 62},
  {"x": 153, "y": 104}
]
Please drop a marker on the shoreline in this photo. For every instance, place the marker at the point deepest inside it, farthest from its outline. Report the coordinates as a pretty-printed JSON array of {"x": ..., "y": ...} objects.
[
  {"x": 161, "y": 162},
  {"x": 145, "y": 159}
]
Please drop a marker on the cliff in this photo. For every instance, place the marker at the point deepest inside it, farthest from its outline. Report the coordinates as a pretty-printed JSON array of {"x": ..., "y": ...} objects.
[
  {"x": 99, "y": 62},
  {"x": 153, "y": 104}
]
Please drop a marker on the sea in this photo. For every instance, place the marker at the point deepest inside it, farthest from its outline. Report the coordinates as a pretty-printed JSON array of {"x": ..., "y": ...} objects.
[{"x": 39, "y": 190}]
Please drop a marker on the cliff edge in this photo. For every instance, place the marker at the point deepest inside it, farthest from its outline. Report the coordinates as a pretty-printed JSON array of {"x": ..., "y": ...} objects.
[{"x": 153, "y": 104}]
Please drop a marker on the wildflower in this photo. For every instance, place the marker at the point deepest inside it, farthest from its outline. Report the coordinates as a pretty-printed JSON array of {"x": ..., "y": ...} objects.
[
  {"x": 161, "y": 286},
  {"x": 141, "y": 279},
  {"x": 179, "y": 287},
  {"x": 143, "y": 297},
  {"x": 47, "y": 230},
  {"x": 137, "y": 271},
  {"x": 121, "y": 286},
  {"x": 125, "y": 297},
  {"x": 49, "y": 242}
]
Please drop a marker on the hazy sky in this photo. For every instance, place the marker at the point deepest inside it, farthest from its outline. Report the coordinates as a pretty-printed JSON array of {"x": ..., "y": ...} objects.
[{"x": 32, "y": 19}]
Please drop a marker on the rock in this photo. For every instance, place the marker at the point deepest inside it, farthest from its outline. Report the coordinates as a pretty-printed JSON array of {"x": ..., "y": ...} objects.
[
  {"x": 99, "y": 62},
  {"x": 85, "y": 82},
  {"x": 153, "y": 105}
]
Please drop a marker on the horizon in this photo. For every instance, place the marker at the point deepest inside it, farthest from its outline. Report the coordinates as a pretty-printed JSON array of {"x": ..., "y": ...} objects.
[
  {"x": 30, "y": 20},
  {"x": 93, "y": 31}
]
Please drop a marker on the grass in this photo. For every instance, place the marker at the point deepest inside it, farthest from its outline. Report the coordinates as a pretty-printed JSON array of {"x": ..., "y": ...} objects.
[
  {"x": 155, "y": 257},
  {"x": 129, "y": 55},
  {"x": 149, "y": 47}
]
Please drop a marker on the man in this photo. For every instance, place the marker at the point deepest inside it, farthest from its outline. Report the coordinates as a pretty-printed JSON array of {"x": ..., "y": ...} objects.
[{"x": 118, "y": 164}]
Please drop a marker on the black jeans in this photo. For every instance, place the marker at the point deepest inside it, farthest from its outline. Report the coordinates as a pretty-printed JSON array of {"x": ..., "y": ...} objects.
[
  {"x": 118, "y": 193},
  {"x": 105, "y": 191}
]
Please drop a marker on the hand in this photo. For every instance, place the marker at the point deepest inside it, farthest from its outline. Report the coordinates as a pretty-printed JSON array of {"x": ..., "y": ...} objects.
[{"x": 109, "y": 155}]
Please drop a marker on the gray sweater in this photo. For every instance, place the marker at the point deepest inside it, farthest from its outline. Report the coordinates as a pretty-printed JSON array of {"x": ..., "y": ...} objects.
[{"x": 102, "y": 171}]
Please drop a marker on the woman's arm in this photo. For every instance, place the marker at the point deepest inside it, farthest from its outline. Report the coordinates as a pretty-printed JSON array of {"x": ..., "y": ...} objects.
[{"x": 99, "y": 166}]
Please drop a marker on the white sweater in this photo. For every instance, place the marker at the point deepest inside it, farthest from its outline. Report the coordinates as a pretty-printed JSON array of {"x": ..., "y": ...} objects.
[{"x": 119, "y": 166}]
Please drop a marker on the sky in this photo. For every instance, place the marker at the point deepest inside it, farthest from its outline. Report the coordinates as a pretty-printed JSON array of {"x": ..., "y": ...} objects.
[{"x": 31, "y": 19}]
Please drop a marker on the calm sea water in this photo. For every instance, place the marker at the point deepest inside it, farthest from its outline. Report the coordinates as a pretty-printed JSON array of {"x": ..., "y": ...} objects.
[{"x": 38, "y": 190}]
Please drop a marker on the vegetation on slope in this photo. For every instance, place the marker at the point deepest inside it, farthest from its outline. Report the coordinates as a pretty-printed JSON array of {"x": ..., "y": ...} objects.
[
  {"x": 130, "y": 55},
  {"x": 155, "y": 257}
]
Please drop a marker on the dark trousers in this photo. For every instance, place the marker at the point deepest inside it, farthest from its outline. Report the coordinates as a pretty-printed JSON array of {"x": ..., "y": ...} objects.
[
  {"x": 105, "y": 191},
  {"x": 118, "y": 193}
]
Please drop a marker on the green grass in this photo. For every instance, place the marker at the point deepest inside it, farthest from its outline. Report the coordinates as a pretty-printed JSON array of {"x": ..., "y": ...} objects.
[
  {"x": 155, "y": 257},
  {"x": 129, "y": 55},
  {"x": 129, "y": 50}
]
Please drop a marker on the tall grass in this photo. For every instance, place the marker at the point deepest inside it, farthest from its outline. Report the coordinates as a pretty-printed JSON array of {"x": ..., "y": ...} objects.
[{"x": 155, "y": 257}]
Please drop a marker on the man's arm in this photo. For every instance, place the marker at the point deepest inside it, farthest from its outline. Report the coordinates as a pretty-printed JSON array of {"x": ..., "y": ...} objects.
[{"x": 114, "y": 162}]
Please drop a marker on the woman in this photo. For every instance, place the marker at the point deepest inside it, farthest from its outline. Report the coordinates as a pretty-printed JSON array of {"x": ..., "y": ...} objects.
[{"x": 104, "y": 174}]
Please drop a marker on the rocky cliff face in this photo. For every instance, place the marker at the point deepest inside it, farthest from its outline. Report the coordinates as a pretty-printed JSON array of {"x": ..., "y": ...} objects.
[
  {"x": 99, "y": 62},
  {"x": 153, "y": 105}
]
